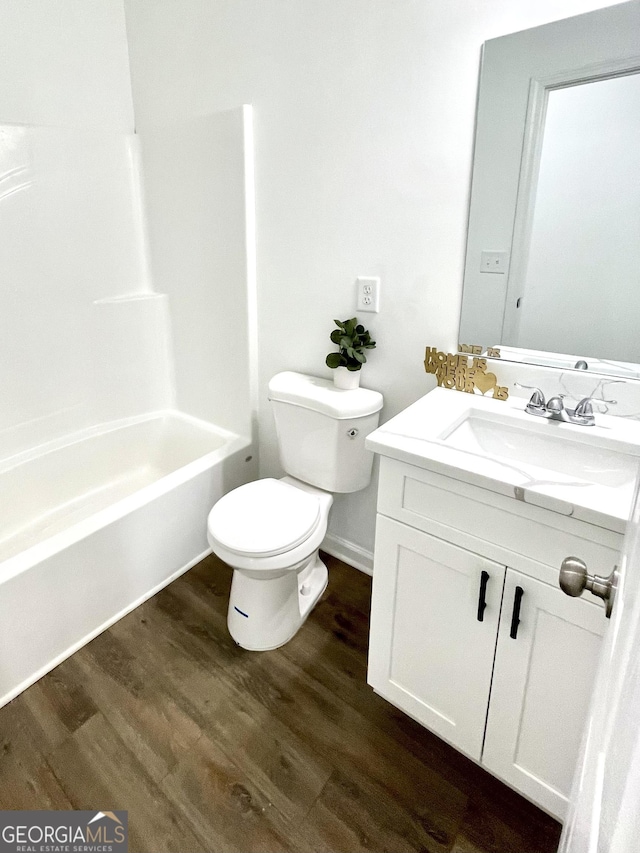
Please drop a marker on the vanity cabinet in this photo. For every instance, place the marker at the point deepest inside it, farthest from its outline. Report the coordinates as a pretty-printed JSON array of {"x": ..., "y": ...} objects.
[
  {"x": 470, "y": 634},
  {"x": 429, "y": 653},
  {"x": 542, "y": 682}
]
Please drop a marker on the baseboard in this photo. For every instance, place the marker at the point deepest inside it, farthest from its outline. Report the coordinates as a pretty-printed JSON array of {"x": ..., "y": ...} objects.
[{"x": 348, "y": 552}]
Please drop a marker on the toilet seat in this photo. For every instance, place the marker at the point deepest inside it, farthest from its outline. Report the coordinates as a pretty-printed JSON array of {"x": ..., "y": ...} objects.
[{"x": 264, "y": 518}]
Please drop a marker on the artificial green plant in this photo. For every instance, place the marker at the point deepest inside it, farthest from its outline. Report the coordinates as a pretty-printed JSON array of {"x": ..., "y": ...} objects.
[{"x": 352, "y": 339}]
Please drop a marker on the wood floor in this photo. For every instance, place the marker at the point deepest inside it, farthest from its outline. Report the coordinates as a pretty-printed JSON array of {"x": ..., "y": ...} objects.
[{"x": 211, "y": 748}]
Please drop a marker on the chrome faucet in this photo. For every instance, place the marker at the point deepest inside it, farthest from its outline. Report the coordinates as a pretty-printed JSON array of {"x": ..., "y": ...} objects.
[{"x": 555, "y": 409}]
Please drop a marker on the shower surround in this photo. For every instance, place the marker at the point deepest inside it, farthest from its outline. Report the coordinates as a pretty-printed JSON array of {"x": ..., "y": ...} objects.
[{"x": 121, "y": 420}]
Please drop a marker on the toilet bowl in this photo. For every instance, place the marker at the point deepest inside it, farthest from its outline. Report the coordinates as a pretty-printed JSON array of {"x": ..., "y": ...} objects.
[{"x": 270, "y": 531}]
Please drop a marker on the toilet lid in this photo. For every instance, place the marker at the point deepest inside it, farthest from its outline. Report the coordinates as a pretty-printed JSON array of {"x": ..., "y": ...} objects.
[{"x": 264, "y": 518}]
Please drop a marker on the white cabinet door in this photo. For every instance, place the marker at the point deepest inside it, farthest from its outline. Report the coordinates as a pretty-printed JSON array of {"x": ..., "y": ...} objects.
[
  {"x": 430, "y": 650},
  {"x": 542, "y": 684}
]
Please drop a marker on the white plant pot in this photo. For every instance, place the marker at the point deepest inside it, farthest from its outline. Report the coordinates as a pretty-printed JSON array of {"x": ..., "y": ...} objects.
[{"x": 345, "y": 379}]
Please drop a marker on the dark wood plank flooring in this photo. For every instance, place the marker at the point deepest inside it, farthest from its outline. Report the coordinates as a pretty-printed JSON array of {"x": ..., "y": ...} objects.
[{"x": 212, "y": 748}]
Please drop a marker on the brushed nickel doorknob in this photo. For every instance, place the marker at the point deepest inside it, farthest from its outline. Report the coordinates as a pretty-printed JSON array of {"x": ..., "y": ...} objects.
[{"x": 575, "y": 578}]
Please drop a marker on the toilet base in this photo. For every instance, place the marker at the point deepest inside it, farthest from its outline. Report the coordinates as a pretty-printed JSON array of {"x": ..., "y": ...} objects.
[{"x": 266, "y": 613}]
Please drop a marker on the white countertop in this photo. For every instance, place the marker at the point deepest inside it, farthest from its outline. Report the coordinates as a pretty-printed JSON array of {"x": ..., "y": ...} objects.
[{"x": 588, "y": 473}]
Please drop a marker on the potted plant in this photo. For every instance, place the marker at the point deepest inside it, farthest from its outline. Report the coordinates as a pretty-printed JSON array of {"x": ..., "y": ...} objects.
[{"x": 352, "y": 339}]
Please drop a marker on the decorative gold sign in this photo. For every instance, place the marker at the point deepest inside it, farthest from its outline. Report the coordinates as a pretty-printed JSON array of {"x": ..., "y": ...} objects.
[
  {"x": 474, "y": 349},
  {"x": 454, "y": 371}
]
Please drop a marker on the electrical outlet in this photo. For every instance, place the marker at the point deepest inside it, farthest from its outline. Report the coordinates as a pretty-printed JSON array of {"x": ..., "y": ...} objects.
[
  {"x": 494, "y": 261},
  {"x": 368, "y": 294}
]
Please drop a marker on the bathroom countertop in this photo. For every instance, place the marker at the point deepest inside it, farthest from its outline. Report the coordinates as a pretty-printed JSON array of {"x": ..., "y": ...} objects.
[{"x": 588, "y": 473}]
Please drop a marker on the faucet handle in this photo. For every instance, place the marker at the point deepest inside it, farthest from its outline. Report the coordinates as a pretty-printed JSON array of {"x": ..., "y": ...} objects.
[
  {"x": 584, "y": 407},
  {"x": 537, "y": 398},
  {"x": 537, "y": 401},
  {"x": 584, "y": 411}
]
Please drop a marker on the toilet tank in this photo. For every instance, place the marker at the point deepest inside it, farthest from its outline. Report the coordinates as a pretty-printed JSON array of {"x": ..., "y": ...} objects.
[{"x": 321, "y": 430}]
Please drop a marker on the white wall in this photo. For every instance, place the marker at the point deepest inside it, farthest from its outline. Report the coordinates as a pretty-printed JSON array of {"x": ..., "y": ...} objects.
[
  {"x": 65, "y": 63},
  {"x": 364, "y": 117},
  {"x": 196, "y": 201},
  {"x": 74, "y": 352}
]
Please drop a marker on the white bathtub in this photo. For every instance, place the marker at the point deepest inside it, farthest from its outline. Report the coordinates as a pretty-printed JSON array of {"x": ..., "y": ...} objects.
[{"x": 93, "y": 525}]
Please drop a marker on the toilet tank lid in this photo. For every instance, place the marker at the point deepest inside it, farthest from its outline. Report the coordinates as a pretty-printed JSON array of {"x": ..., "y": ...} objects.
[{"x": 321, "y": 395}]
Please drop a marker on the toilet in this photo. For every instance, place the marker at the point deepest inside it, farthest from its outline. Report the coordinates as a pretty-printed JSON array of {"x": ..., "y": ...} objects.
[{"x": 269, "y": 531}]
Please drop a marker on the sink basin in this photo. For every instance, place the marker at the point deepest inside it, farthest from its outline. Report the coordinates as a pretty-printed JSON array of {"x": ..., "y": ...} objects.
[
  {"x": 585, "y": 472},
  {"x": 557, "y": 453}
]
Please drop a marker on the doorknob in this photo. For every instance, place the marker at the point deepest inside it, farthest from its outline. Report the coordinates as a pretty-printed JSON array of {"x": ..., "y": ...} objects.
[{"x": 574, "y": 579}]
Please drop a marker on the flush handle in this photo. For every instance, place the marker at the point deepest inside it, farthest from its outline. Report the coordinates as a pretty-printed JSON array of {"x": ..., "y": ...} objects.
[{"x": 575, "y": 578}]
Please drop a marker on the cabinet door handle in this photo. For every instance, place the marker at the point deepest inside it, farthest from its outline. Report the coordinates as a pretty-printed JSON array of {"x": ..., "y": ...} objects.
[
  {"x": 482, "y": 597},
  {"x": 515, "y": 617}
]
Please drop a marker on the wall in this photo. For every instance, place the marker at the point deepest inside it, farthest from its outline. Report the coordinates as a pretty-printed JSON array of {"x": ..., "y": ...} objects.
[
  {"x": 84, "y": 338},
  {"x": 65, "y": 63},
  {"x": 199, "y": 203},
  {"x": 364, "y": 117}
]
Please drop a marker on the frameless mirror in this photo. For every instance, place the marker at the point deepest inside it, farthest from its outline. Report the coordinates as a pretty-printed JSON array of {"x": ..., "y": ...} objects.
[{"x": 552, "y": 272}]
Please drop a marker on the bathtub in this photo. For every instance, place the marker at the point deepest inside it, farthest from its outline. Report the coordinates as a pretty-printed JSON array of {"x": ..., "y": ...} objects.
[{"x": 94, "y": 524}]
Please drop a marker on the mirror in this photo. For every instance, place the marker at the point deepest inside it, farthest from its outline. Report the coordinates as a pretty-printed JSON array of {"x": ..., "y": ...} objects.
[{"x": 552, "y": 271}]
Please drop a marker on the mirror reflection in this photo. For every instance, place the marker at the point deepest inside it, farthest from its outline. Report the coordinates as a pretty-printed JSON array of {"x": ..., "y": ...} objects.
[{"x": 553, "y": 258}]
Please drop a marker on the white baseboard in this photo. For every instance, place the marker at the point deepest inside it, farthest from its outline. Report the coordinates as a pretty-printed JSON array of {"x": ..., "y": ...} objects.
[{"x": 348, "y": 552}]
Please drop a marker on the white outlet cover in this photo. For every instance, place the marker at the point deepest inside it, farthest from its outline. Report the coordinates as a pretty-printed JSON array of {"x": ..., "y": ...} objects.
[
  {"x": 494, "y": 261},
  {"x": 368, "y": 294}
]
